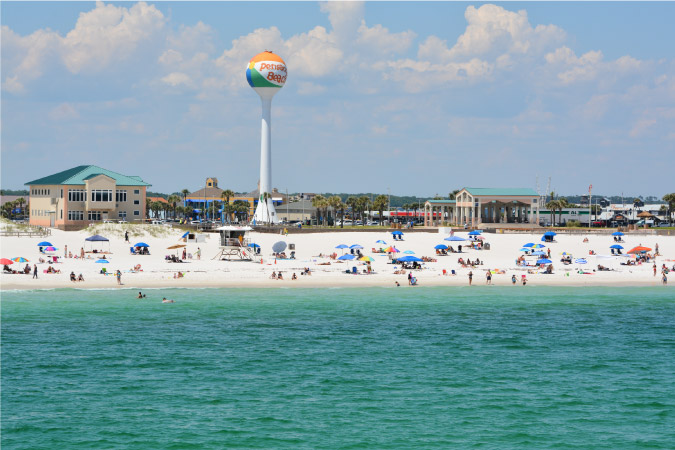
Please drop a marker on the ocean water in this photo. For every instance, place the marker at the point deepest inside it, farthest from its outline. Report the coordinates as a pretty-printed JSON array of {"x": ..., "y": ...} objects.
[{"x": 397, "y": 368}]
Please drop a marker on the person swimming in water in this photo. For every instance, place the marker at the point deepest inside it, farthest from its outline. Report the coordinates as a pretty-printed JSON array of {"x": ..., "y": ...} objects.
[{"x": 164, "y": 300}]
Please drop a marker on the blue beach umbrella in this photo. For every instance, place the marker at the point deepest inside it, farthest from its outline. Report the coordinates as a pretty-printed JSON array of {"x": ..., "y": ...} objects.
[
  {"x": 529, "y": 244},
  {"x": 441, "y": 247},
  {"x": 409, "y": 258},
  {"x": 396, "y": 233},
  {"x": 474, "y": 233},
  {"x": 142, "y": 244},
  {"x": 544, "y": 261},
  {"x": 356, "y": 247},
  {"x": 454, "y": 238},
  {"x": 103, "y": 261},
  {"x": 539, "y": 253},
  {"x": 185, "y": 235},
  {"x": 550, "y": 233},
  {"x": 346, "y": 257},
  {"x": 537, "y": 246},
  {"x": 409, "y": 252},
  {"x": 342, "y": 246},
  {"x": 253, "y": 245},
  {"x": 617, "y": 233},
  {"x": 525, "y": 249},
  {"x": 45, "y": 244},
  {"x": 380, "y": 242},
  {"x": 617, "y": 246},
  {"x": 580, "y": 261}
]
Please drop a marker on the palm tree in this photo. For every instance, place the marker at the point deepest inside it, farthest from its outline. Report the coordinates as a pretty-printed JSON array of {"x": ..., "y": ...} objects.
[
  {"x": 380, "y": 203},
  {"x": 353, "y": 203},
  {"x": 453, "y": 194},
  {"x": 185, "y": 193},
  {"x": 670, "y": 199},
  {"x": 552, "y": 206},
  {"x": 335, "y": 201},
  {"x": 318, "y": 202},
  {"x": 241, "y": 208},
  {"x": 342, "y": 207},
  {"x": 173, "y": 201},
  {"x": 148, "y": 207},
  {"x": 19, "y": 202},
  {"x": 364, "y": 205}
]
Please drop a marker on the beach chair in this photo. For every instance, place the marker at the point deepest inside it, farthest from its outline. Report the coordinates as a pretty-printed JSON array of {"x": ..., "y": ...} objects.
[
  {"x": 354, "y": 270},
  {"x": 445, "y": 272},
  {"x": 132, "y": 251}
]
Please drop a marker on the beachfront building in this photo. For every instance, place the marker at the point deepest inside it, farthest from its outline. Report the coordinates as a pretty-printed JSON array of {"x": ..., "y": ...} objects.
[
  {"x": 76, "y": 197},
  {"x": 299, "y": 211},
  {"x": 203, "y": 200},
  {"x": 477, "y": 206}
]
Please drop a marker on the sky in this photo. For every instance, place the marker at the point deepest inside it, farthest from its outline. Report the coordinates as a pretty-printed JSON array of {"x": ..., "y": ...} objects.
[{"x": 409, "y": 98}]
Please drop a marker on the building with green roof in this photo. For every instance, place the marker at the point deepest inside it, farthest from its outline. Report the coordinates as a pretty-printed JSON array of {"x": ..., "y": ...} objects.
[
  {"x": 76, "y": 197},
  {"x": 476, "y": 206}
]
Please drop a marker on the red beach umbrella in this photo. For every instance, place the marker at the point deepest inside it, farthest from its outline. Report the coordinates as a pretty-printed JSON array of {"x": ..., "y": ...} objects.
[{"x": 6, "y": 262}]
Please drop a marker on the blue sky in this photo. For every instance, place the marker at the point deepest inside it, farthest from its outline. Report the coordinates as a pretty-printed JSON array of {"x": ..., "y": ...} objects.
[{"x": 421, "y": 98}]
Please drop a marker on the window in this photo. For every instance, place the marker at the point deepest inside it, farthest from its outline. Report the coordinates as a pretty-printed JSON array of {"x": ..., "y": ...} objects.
[
  {"x": 75, "y": 215},
  {"x": 101, "y": 195},
  {"x": 137, "y": 191},
  {"x": 61, "y": 193},
  {"x": 122, "y": 215},
  {"x": 137, "y": 202},
  {"x": 62, "y": 214},
  {"x": 94, "y": 215},
  {"x": 120, "y": 196},
  {"x": 137, "y": 213},
  {"x": 77, "y": 195}
]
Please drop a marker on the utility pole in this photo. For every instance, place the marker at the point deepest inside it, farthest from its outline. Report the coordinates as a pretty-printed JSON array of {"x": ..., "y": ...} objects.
[{"x": 590, "y": 204}]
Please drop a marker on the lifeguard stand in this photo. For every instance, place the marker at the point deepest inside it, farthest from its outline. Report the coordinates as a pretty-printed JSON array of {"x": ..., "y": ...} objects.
[{"x": 234, "y": 243}]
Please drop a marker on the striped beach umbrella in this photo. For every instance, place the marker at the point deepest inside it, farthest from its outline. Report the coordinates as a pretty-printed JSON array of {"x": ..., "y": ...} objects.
[{"x": 20, "y": 259}]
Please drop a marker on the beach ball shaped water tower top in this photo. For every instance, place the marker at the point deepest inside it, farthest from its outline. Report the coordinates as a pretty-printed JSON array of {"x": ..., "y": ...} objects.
[{"x": 266, "y": 74}]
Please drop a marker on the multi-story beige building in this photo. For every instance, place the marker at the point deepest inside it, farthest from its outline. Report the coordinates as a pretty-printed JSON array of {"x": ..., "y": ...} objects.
[{"x": 76, "y": 197}]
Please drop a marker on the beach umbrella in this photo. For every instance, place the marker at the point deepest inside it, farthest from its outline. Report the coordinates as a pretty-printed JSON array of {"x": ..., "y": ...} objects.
[
  {"x": 550, "y": 233},
  {"x": 544, "y": 261},
  {"x": 356, "y": 247},
  {"x": 185, "y": 235},
  {"x": 253, "y": 245},
  {"x": 617, "y": 233},
  {"x": 474, "y": 232},
  {"x": 97, "y": 238},
  {"x": 454, "y": 238},
  {"x": 366, "y": 258},
  {"x": 50, "y": 249},
  {"x": 580, "y": 261},
  {"x": 539, "y": 253},
  {"x": 6, "y": 262},
  {"x": 409, "y": 258},
  {"x": 380, "y": 241},
  {"x": 397, "y": 233},
  {"x": 20, "y": 259},
  {"x": 566, "y": 254},
  {"x": 617, "y": 246},
  {"x": 391, "y": 249},
  {"x": 141, "y": 244},
  {"x": 173, "y": 247},
  {"x": 480, "y": 237},
  {"x": 409, "y": 252},
  {"x": 342, "y": 246},
  {"x": 536, "y": 246},
  {"x": 45, "y": 244},
  {"x": 524, "y": 249},
  {"x": 639, "y": 249},
  {"x": 346, "y": 257},
  {"x": 441, "y": 247},
  {"x": 103, "y": 261},
  {"x": 279, "y": 247},
  {"x": 529, "y": 244}
]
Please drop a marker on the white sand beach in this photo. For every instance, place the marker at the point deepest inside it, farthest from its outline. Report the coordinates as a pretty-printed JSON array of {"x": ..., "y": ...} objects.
[{"x": 313, "y": 250}]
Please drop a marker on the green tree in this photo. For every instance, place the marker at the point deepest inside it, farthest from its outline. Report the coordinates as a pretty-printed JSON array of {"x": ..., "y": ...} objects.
[
  {"x": 185, "y": 193},
  {"x": 353, "y": 204},
  {"x": 364, "y": 205},
  {"x": 20, "y": 202},
  {"x": 552, "y": 206},
  {"x": 227, "y": 194},
  {"x": 380, "y": 204},
  {"x": 173, "y": 202},
  {"x": 335, "y": 201},
  {"x": 453, "y": 194},
  {"x": 670, "y": 199},
  {"x": 318, "y": 201}
]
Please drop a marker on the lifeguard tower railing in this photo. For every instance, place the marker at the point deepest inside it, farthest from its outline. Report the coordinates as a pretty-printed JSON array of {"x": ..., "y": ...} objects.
[{"x": 234, "y": 242}]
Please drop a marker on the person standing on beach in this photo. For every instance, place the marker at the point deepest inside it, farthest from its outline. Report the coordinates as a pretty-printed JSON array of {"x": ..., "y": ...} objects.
[
  {"x": 409, "y": 278},
  {"x": 488, "y": 276},
  {"x": 470, "y": 277},
  {"x": 459, "y": 248},
  {"x": 126, "y": 236},
  {"x": 664, "y": 278},
  {"x": 654, "y": 269},
  {"x": 81, "y": 252},
  {"x": 65, "y": 251},
  {"x": 119, "y": 277},
  {"x": 513, "y": 279},
  {"x": 199, "y": 253},
  {"x": 35, "y": 271}
]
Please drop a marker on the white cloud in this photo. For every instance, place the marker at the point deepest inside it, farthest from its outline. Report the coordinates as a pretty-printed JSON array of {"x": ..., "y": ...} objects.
[
  {"x": 65, "y": 111},
  {"x": 177, "y": 78}
]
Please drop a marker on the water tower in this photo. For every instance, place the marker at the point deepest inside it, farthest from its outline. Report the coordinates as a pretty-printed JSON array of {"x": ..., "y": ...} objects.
[{"x": 266, "y": 73}]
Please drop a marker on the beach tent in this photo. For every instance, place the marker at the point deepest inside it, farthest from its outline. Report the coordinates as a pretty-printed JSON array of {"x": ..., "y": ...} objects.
[
  {"x": 617, "y": 233},
  {"x": 617, "y": 246},
  {"x": 639, "y": 249},
  {"x": 141, "y": 244},
  {"x": 97, "y": 238},
  {"x": 441, "y": 247},
  {"x": 409, "y": 258},
  {"x": 454, "y": 238},
  {"x": 346, "y": 257},
  {"x": 397, "y": 233},
  {"x": 550, "y": 233}
]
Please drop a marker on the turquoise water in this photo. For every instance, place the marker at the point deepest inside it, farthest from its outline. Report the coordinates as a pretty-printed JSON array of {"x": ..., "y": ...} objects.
[{"x": 429, "y": 368}]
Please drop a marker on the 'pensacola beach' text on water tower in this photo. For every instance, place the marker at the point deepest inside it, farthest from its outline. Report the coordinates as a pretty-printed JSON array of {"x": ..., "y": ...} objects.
[{"x": 266, "y": 73}]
